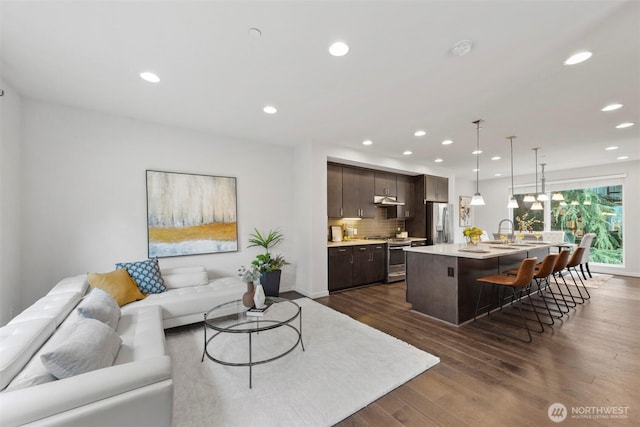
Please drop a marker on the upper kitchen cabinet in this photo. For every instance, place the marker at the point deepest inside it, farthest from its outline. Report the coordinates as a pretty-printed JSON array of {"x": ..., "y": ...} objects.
[
  {"x": 405, "y": 192},
  {"x": 385, "y": 184},
  {"x": 334, "y": 191},
  {"x": 350, "y": 192},
  {"x": 357, "y": 193},
  {"x": 436, "y": 189}
]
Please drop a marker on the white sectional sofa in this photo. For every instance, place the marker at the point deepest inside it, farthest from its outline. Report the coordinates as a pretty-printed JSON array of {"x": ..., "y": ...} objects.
[{"x": 137, "y": 389}]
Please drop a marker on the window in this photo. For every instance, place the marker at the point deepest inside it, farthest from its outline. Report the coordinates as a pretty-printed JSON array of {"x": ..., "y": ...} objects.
[{"x": 595, "y": 209}]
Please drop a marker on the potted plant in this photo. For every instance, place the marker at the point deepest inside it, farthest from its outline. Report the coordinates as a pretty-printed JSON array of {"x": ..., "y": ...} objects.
[{"x": 269, "y": 266}]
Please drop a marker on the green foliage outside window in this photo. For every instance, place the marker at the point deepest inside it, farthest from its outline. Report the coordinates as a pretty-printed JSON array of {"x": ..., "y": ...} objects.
[{"x": 590, "y": 210}]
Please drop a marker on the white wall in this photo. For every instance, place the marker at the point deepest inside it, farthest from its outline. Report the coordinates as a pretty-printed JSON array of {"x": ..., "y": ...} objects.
[
  {"x": 10, "y": 190},
  {"x": 495, "y": 193},
  {"x": 84, "y": 200}
]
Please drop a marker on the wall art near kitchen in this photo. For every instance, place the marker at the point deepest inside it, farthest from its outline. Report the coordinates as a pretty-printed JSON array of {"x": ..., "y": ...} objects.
[
  {"x": 465, "y": 211},
  {"x": 190, "y": 214}
]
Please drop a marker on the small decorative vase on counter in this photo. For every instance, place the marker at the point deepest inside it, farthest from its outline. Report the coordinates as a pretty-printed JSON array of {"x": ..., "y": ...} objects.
[
  {"x": 258, "y": 297},
  {"x": 247, "y": 297}
]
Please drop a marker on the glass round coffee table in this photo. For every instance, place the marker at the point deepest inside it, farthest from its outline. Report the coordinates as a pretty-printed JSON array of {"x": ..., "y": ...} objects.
[{"x": 230, "y": 323}]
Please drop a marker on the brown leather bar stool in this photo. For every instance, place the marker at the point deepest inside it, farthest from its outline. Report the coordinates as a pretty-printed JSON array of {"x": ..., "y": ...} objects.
[
  {"x": 558, "y": 268},
  {"x": 574, "y": 262},
  {"x": 541, "y": 275},
  {"x": 522, "y": 283}
]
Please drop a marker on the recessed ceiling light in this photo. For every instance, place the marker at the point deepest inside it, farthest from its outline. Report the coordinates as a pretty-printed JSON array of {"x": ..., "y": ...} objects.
[
  {"x": 367, "y": 142},
  {"x": 613, "y": 147},
  {"x": 462, "y": 47},
  {"x": 270, "y": 109},
  {"x": 476, "y": 152},
  {"x": 624, "y": 125},
  {"x": 578, "y": 58},
  {"x": 407, "y": 153},
  {"x": 149, "y": 76},
  {"x": 447, "y": 142},
  {"x": 498, "y": 174},
  {"x": 339, "y": 49},
  {"x": 623, "y": 157},
  {"x": 475, "y": 170},
  {"x": 611, "y": 107},
  {"x": 438, "y": 160},
  {"x": 420, "y": 133},
  {"x": 496, "y": 158}
]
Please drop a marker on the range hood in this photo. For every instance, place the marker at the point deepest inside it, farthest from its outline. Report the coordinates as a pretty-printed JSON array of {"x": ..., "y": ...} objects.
[{"x": 383, "y": 201}]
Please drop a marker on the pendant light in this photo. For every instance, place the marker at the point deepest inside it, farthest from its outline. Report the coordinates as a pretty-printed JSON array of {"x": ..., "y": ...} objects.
[
  {"x": 477, "y": 199},
  {"x": 536, "y": 206},
  {"x": 513, "y": 203},
  {"x": 530, "y": 198},
  {"x": 542, "y": 197},
  {"x": 557, "y": 196}
]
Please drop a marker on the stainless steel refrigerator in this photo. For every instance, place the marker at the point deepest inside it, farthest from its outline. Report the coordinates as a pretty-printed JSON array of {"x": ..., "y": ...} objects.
[
  {"x": 439, "y": 222},
  {"x": 433, "y": 221}
]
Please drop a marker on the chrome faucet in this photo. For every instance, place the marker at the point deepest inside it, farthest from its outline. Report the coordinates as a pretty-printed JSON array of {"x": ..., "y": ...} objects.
[{"x": 512, "y": 228}]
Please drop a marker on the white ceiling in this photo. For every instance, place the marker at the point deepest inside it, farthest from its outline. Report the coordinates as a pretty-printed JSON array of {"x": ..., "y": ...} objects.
[{"x": 399, "y": 75}]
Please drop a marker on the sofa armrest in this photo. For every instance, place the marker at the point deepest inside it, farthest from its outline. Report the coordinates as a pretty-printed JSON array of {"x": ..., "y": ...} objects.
[{"x": 34, "y": 403}]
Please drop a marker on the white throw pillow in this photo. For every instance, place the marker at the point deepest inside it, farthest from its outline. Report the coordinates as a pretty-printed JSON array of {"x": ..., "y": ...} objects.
[
  {"x": 101, "y": 306},
  {"x": 183, "y": 277},
  {"x": 92, "y": 345}
]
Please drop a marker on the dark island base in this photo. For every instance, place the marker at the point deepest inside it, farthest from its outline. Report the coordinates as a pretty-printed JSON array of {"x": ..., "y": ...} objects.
[{"x": 445, "y": 287}]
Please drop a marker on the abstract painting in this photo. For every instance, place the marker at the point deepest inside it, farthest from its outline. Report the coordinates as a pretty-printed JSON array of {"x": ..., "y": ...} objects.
[
  {"x": 465, "y": 211},
  {"x": 190, "y": 214}
]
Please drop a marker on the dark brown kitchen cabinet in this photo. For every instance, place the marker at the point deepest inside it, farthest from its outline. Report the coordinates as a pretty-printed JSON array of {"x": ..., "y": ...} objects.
[
  {"x": 357, "y": 193},
  {"x": 334, "y": 191},
  {"x": 405, "y": 194},
  {"x": 436, "y": 189},
  {"x": 351, "y": 266},
  {"x": 385, "y": 184},
  {"x": 340, "y": 268},
  {"x": 368, "y": 264}
]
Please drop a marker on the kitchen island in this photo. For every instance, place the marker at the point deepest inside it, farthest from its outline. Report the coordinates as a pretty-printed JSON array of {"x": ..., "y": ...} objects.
[{"x": 441, "y": 279}]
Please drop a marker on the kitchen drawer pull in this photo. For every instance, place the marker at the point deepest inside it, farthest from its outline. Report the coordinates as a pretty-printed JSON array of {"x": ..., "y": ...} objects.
[
  {"x": 342, "y": 250},
  {"x": 363, "y": 249}
]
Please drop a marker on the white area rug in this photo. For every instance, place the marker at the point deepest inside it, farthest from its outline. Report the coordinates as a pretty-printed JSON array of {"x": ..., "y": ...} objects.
[{"x": 346, "y": 366}]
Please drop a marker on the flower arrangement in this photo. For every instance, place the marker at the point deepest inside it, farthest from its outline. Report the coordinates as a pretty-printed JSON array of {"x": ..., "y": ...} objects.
[
  {"x": 470, "y": 232},
  {"x": 525, "y": 224},
  {"x": 249, "y": 275}
]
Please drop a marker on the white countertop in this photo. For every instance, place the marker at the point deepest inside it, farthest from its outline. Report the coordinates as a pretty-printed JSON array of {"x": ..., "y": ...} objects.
[
  {"x": 489, "y": 250},
  {"x": 354, "y": 242}
]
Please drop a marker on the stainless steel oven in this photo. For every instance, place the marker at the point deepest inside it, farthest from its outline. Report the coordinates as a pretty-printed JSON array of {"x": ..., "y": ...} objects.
[{"x": 396, "y": 267}]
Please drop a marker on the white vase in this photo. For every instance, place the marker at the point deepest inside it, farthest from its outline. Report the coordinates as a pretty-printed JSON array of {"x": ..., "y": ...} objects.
[{"x": 258, "y": 296}]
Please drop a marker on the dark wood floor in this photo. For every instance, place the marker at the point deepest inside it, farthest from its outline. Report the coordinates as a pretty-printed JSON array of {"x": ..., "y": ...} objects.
[{"x": 591, "y": 359}]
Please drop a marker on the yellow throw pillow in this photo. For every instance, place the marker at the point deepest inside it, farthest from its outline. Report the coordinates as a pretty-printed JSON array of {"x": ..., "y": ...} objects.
[{"x": 118, "y": 284}]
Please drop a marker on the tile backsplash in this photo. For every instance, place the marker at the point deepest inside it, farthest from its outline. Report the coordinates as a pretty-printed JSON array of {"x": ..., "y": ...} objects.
[{"x": 367, "y": 227}]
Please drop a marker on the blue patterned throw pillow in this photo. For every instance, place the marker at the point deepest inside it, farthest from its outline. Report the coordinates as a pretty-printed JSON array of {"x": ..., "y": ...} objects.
[{"x": 146, "y": 274}]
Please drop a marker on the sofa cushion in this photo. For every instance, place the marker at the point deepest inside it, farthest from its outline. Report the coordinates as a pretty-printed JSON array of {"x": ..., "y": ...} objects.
[
  {"x": 182, "y": 277},
  {"x": 192, "y": 301},
  {"x": 101, "y": 306},
  {"x": 54, "y": 306},
  {"x": 92, "y": 345},
  {"x": 146, "y": 275},
  {"x": 77, "y": 283},
  {"x": 19, "y": 341},
  {"x": 118, "y": 284}
]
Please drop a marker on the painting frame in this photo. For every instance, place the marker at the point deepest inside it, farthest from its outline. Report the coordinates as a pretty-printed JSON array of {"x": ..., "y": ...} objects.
[
  {"x": 464, "y": 211},
  {"x": 190, "y": 214}
]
